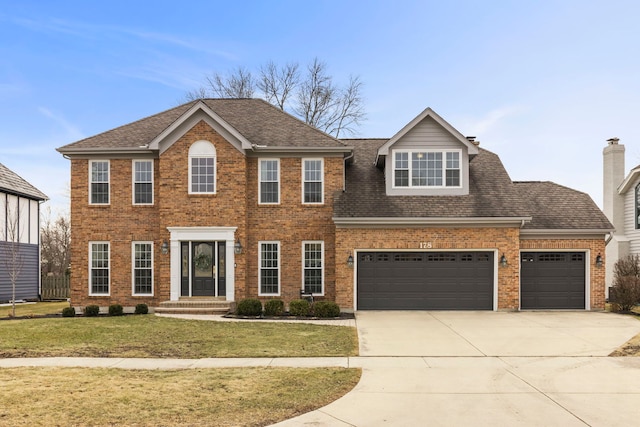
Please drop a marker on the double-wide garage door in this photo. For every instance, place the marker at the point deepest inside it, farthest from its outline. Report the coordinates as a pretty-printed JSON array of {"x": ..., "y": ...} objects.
[
  {"x": 552, "y": 280},
  {"x": 425, "y": 280}
]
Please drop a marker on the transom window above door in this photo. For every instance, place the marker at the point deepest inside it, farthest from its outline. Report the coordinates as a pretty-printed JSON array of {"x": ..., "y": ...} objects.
[{"x": 426, "y": 169}]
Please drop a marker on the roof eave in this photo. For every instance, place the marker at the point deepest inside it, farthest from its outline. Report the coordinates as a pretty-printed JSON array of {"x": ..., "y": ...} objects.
[
  {"x": 628, "y": 180},
  {"x": 567, "y": 233},
  {"x": 358, "y": 222},
  {"x": 102, "y": 150}
]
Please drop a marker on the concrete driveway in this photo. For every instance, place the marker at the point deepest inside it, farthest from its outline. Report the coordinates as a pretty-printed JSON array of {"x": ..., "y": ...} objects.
[{"x": 488, "y": 368}]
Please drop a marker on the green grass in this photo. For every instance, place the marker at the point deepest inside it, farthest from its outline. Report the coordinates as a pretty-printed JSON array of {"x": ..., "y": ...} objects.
[{"x": 151, "y": 336}]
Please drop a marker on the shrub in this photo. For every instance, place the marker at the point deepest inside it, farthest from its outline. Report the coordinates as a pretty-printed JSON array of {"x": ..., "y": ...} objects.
[
  {"x": 625, "y": 293},
  {"x": 91, "y": 310},
  {"x": 274, "y": 307},
  {"x": 68, "y": 312},
  {"x": 299, "y": 307},
  {"x": 325, "y": 309},
  {"x": 142, "y": 309},
  {"x": 115, "y": 310},
  {"x": 249, "y": 307}
]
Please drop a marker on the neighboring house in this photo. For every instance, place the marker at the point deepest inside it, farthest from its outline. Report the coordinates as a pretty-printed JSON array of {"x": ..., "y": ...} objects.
[
  {"x": 233, "y": 198},
  {"x": 19, "y": 236},
  {"x": 621, "y": 204}
]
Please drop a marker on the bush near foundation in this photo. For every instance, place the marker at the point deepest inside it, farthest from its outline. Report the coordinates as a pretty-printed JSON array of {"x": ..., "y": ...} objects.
[
  {"x": 325, "y": 309},
  {"x": 68, "y": 312},
  {"x": 299, "y": 307},
  {"x": 116, "y": 310},
  {"x": 91, "y": 311},
  {"x": 274, "y": 307},
  {"x": 141, "y": 309},
  {"x": 625, "y": 293},
  {"x": 249, "y": 307}
]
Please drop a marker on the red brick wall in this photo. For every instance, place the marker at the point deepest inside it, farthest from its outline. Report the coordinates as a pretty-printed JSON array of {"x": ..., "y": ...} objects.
[{"x": 505, "y": 240}]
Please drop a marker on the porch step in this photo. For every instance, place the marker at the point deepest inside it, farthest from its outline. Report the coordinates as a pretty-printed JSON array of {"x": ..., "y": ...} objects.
[{"x": 196, "y": 306}]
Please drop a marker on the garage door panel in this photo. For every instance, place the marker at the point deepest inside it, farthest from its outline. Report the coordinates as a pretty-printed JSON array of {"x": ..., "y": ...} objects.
[
  {"x": 552, "y": 280},
  {"x": 425, "y": 281}
]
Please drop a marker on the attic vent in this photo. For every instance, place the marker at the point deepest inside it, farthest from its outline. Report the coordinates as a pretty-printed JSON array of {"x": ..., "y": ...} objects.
[
  {"x": 472, "y": 139},
  {"x": 613, "y": 141}
]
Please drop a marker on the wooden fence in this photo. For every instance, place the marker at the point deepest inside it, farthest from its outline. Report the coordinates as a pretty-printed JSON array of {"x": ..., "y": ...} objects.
[{"x": 55, "y": 287}]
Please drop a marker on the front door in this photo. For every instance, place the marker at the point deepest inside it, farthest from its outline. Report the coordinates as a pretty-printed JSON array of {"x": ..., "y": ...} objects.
[{"x": 203, "y": 273}]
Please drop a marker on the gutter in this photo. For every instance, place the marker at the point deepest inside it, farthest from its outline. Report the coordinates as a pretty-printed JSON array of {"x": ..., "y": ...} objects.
[{"x": 395, "y": 222}]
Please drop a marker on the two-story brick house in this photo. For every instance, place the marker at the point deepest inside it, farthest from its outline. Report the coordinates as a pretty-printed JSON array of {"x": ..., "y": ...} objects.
[{"x": 233, "y": 198}]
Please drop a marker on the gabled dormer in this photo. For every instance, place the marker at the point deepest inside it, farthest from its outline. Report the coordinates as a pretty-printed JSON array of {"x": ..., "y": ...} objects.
[{"x": 427, "y": 157}]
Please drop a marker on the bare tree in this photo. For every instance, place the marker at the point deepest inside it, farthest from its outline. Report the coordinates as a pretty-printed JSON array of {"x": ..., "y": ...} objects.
[
  {"x": 55, "y": 244},
  {"x": 278, "y": 84},
  {"x": 313, "y": 97},
  {"x": 13, "y": 257}
]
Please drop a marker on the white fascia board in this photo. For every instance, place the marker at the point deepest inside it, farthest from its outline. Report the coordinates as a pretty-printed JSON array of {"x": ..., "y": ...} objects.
[
  {"x": 351, "y": 222},
  {"x": 428, "y": 112},
  {"x": 93, "y": 151},
  {"x": 259, "y": 150},
  {"x": 624, "y": 187},
  {"x": 214, "y": 120},
  {"x": 564, "y": 233}
]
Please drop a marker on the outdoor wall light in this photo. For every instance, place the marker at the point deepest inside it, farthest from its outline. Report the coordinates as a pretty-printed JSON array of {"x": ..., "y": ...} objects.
[
  {"x": 350, "y": 261},
  {"x": 599, "y": 261},
  {"x": 165, "y": 247},
  {"x": 503, "y": 261},
  {"x": 237, "y": 247}
]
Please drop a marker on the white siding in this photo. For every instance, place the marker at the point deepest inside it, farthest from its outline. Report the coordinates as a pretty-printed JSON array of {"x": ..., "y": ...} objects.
[
  {"x": 428, "y": 134},
  {"x": 3, "y": 217},
  {"x": 23, "y": 220},
  {"x": 34, "y": 223},
  {"x": 630, "y": 231}
]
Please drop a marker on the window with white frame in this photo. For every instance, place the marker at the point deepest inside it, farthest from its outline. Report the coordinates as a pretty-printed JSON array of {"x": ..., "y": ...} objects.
[
  {"x": 202, "y": 168},
  {"x": 269, "y": 261},
  {"x": 99, "y": 182},
  {"x": 99, "y": 268},
  {"x": 143, "y": 182},
  {"x": 313, "y": 267},
  {"x": 426, "y": 169},
  {"x": 637, "y": 219},
  {"x": 269, "y": 173},
  {"x": 312, "y": 181},
  {"x": 142, "y": 268}
]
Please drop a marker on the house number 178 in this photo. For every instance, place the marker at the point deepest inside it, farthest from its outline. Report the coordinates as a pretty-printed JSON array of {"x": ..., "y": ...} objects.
[{"x": 425, "y": 245}]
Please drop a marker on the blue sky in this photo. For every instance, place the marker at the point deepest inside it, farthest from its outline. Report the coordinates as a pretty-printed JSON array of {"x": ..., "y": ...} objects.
[{"x": 542, "y": 84}]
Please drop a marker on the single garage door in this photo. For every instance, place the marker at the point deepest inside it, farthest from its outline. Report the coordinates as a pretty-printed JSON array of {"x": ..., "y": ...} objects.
[
  {"x": 425, "y": 281},
  {"x": 552, "y": 280}
]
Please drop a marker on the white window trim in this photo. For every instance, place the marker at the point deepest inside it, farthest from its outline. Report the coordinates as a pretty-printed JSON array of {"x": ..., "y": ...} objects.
[
  {"x": 133, "y": 182},
  {"x": 321, "y": 202},
  {"x": 260, "y": 202},
  {"x": 260, "y": 243},
  {"x": 133, "y": 268},
  {"x": 444, "y": 169},
  {"x": 203, "y": 149},
  {"x": 91, "y": 162},
  {"x": 91, "y": 293},
  {"x": 321, "y": 242}
]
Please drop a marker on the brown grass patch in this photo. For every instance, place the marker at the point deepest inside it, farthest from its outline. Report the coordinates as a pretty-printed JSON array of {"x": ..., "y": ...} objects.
[{"x": 198, "y": 397}]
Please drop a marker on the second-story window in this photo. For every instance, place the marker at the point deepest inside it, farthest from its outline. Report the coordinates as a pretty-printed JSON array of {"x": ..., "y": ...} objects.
[
  {"x": 143, "y": 182},
  {"x": 312, "y": 177},
  {"x": 269, "y": 173},
  {"x": 429, "y": 168},
  {"x": 99, "y": 182},
  {"x": 202, "y": 168}
]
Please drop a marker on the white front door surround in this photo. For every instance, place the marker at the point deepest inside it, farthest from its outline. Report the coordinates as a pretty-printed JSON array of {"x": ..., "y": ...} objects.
[{"x": 182, "y": 234}]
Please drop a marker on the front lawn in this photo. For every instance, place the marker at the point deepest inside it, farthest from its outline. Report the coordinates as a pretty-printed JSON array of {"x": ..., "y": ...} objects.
[
  {"x": 193, "y": 397},
  {"x": 159, "y": 337},
  {"x": 33, "y": 309}
]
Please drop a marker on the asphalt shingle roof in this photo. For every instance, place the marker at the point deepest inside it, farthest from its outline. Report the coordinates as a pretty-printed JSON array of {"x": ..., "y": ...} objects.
[
  {"x": 491, "y": 194},
  {"x": 10, "y": 182},
  {"x": 554, "y": 206},
  {"x": 258, "y": 121}
]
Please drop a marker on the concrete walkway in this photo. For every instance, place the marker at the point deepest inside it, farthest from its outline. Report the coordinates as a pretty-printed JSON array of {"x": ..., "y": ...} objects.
[{"x": 462, "y": 369}]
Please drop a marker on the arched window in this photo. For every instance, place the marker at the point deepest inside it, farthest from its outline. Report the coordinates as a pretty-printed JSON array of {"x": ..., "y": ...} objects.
[
  {"x": 637, "y": 221},
  {"x": 202, "y": 168}
]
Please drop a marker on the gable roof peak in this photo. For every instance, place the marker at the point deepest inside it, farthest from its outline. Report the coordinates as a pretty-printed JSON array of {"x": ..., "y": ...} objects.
[{"x": 470, "y": 143}]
